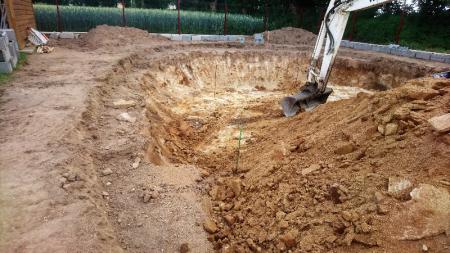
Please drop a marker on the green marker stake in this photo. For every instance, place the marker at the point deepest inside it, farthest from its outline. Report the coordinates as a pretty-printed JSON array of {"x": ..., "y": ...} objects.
[{"x": 239, "y": 147}]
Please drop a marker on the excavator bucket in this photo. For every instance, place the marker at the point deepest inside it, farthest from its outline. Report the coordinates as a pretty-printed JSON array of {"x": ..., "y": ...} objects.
[{"x": 306, "y": 100}]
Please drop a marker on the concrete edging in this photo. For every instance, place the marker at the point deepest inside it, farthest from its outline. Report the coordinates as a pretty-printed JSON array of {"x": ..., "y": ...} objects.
[
  {"x": 397, "y": 50},
  {"x": 258, "y": 39}
]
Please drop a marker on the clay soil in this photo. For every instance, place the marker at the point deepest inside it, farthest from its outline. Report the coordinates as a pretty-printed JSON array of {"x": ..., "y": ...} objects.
[{"x": 123, "y": 141}]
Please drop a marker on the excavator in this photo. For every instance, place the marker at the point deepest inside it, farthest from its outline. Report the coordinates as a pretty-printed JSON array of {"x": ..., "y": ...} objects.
[{"x": 315, "y": 91}]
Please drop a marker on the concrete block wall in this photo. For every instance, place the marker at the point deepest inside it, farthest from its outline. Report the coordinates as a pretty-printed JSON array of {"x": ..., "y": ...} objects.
[
  {"x": 397, "y": 50},
  {"x": 8, "y": 50}
]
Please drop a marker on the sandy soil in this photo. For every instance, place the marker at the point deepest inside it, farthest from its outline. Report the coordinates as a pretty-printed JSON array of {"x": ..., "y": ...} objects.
[{"x": 130, "y": 144}]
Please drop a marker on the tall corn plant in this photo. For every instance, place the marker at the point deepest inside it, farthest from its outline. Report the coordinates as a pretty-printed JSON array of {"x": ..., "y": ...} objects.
[{"x": 83, "y": 18}]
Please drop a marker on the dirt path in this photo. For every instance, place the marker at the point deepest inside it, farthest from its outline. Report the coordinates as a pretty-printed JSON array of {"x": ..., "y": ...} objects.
[{"x": 79, "y": 175}]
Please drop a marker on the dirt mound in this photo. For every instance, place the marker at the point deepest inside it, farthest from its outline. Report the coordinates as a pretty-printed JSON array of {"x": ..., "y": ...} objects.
[
  {"x": 291, "y": 36},
  {"x": 322, "y": 183},
  {"x": 114, "y": 36}
]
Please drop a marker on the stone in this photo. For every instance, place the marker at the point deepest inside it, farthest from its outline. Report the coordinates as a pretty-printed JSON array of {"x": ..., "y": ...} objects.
[
  {"x": 390, "y": 129},
  {"x": 424, "y": 248},
  {"x": 210, "y": 226},
  {"x": 235, "y": 185},
  {"x": 427, "y": 214},
  {"x": 147, "y": 196},
  {"x": 289, "y": 238},
  {"x": 446, "y": 139},
  {"x": 345, "y": 149},
  {"x": 123, "y": 104},
  {"x": 382, "y": 209},
  {"x": 280, "y": 215},
  {"x": 136, "y": 163},
  {"x": 105, "y": 194},
  {"x": 441, "y": 123},
  {"x": 229, "y": 219},
  {"x": 311, "y": 168},
  {"x": 417, "y": 92},
  {"x": 107, "y": 172},
  {"x": 399, "y": 187},
  {"x": 378, "y": 197},
  {"x": 380, "y": 129},
  {"x": 124, "y": 116},
  {"x": 252, "y": 245},
  {"x": 184, "y": 248},
  {"x": 346, "y": 215}
]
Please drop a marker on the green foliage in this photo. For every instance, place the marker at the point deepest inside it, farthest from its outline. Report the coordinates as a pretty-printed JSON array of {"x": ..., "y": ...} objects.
[
  {"x": 84, "y": 18},
  {"x": 417, "y": 32}
]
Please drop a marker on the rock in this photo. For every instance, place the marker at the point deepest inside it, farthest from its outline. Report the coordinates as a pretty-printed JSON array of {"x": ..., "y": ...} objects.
[
  {"x": 136, "y": 163},
  {"x": 147, "y": 196},
  {"x": 280, "y": 215},
  {"x": 105, "y": 194},
  {"x": 210, "y": 226},
  {"x": 289, "y": 238},
  {"x": 107, "y": 172},
  {"x": 204, "y": 173},
  {"x": 446, "y": 139},
  {"x": 345, "y": 149},
  {"x": 346, "y": 215},
  {"x": 123, "y": 104},
  {"x": 424, "y": 248},
  {"x": 184, "y": 248},
  {"x": 229, "y": 219},
  {"x": 390, "y": 129},
  {"x": 235, "y": 185},
  {"x": 441, "y": 123},
  {"x": 417, "y": 92},
  {"x": 427, "y": 214},
  {"x": 382, "y": 209},
  {"x": 311, "y": 168},
  {"x": 284, "y": 224},
  {"x": 399, "y": 187},
  {"x": 71, "y": 176},
  {"x": 381, "y": 129},
  {"x": 252, "y": 245},
  {"x": 124, "y": 116},
  {"x": 378, "y": 197}
]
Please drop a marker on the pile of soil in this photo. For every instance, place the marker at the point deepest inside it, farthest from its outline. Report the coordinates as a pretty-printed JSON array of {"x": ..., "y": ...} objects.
[
  {"x": 105, "y": 36},
  {"x": 291, "y": 36},
  {"x": 327, "y": 178}
]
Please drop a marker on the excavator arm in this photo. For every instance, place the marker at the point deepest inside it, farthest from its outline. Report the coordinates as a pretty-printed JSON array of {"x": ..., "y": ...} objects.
[{"x": 332, "y": 29}]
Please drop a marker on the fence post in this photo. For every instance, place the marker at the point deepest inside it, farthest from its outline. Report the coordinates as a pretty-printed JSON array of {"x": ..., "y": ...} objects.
[
  {"x": 124, "y": 20},
  {"x": 179, "y": 18},
  {"x": 354, "y": 17},
  {"x": 225, "y": 25},
  {"x": 58, "y": 17},
  {"x": 400, "y": 27}
]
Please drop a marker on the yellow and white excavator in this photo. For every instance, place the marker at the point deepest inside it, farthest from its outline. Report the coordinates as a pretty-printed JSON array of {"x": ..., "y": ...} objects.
[{"x": 315, "y": 91}]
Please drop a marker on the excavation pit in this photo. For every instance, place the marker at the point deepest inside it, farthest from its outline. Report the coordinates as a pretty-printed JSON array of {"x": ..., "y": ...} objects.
[{"x": 202, "y": 99}]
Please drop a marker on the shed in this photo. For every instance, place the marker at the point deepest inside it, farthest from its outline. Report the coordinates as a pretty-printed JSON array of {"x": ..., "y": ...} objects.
[{"x": 20, "y": 16}]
